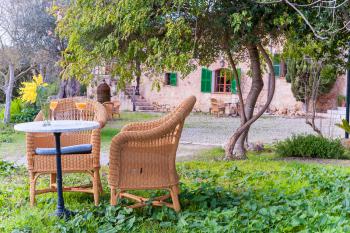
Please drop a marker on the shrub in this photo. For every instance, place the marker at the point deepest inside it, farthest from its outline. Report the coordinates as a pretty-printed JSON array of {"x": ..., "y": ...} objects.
[
  {"x": 310, "y": 146},
  {"x": 6, "y": 133},
  {"x": 6, "y": 168},
  {"x": 16, "y": 107},
  {"x": 27, "y": 114}
]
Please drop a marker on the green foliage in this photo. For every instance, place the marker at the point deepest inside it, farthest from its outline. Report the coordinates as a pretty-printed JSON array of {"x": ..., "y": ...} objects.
[
  {"x": 16, "y": 107},
  {"x": 6, "y": 168},
  {"x": 6, "y": 133},
  {"x": 162, "y": 35},
  {"x": 310, "y": 146},
  {"x": 53, "y": 88},
  {"x": 303, "y": 53},
  {"x": 344, "y": 125},
  {"x": 258, "y": 195},
  {"x": 340, "y": 100},
  {"x": 27, "y": 114}
]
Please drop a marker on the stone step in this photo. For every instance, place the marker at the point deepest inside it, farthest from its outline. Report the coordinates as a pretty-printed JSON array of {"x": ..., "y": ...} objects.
[
  {"x": 142, "y": 108},
  {"x": 142, "y": 105}
]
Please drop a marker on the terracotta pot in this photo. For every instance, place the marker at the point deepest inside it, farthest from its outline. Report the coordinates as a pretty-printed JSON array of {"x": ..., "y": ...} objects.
[{"x": 346, "y": 143}]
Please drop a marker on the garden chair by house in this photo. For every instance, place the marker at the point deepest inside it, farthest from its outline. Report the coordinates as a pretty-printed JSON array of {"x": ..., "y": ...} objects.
[
  {"x": 115, "y": 109},
  {"x": 88, "y": 162},
  {"x": 142, "y": 156},
  {"x": 112, "y": 109},
  {"x": 217, "y": 107},
  {"x": 109, "y": 109}
]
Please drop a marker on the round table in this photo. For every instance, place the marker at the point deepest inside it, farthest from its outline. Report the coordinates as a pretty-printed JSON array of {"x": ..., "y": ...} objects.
[{"x": 58, "y": 127}]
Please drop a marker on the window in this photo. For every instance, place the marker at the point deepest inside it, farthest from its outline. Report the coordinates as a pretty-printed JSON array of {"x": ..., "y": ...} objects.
[
  {"x": 223, "y": 79},
  {"x": 170, "y": 79}
]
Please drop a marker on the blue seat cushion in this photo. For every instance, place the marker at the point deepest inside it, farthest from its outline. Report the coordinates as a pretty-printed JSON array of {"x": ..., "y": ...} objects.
[{"x": 76, "y": 149}]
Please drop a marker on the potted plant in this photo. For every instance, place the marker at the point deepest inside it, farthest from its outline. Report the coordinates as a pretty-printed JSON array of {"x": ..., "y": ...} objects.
[
  {"x": 346, "y": 127},
  {"x": 341, "y": 101}
]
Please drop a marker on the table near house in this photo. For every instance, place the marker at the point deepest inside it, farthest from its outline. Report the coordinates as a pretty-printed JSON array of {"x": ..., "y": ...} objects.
[
  {"x": 232, "y": 106},
  {"x": 57, "y": 128}
]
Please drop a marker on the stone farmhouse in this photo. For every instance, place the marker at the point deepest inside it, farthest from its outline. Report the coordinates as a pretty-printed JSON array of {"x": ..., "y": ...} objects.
[{"x": 206, "y": 83}]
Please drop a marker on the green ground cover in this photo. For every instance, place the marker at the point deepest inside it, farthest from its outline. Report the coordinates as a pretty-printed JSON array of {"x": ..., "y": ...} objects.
[
  {"x": 261, "y": 194},
  {"x": 257, "y": 195},
  {"x": 12, "y": 143}
]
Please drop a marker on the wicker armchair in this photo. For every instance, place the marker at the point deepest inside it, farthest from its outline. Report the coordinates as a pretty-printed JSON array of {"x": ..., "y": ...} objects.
[
  {"x": 142, "y": 156},
  {"x": 217, "y": 107},
  {"x": 112, "y": 109},
  {"x": 115, "y": 109},
  {"x": 71, "y": 163},
  {"x": 109, "y": 109}
]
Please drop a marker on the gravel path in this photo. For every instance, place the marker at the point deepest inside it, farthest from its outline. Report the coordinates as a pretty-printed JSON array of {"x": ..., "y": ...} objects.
[
  {"x": 202, "y": 132},
  {"x": 204, "y": 129}
]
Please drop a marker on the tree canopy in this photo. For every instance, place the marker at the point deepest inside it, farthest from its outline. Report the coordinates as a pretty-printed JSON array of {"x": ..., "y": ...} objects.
[
  {"x": 177, "y": 36},
  {"x": 164, "y": 35}
]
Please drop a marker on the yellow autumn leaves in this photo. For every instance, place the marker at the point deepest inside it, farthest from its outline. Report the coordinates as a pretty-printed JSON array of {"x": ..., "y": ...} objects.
[{"x": 29, "y": 90}]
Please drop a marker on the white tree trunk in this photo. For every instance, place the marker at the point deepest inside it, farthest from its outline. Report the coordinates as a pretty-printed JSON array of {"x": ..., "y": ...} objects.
[{"x": 8, "y": 94}]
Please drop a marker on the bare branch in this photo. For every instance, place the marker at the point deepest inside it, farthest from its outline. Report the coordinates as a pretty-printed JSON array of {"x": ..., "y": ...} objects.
[
  {"x": 305, "y": 20},
  {"x": 23, "y": 72}
]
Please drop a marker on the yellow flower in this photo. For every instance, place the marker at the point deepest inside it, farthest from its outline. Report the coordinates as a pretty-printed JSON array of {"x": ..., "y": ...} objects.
[
  {"x": 38, "y": 79},
  {"x": 29, "y": 90}
]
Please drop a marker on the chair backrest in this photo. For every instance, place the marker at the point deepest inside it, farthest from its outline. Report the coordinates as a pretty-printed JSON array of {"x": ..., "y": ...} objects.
[
  {"x": 116, "y": 106},
  {"x": 153, "y": 158},
  {"x": 67, "y": 110},
  {"x": 116, "y": 103},
  {"x": 214, "y": 105},
  {"x": 109, "y": 108}
]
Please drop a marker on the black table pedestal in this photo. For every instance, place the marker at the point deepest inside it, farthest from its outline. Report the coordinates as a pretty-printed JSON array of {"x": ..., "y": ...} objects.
[{"x": 61, "y": 211}]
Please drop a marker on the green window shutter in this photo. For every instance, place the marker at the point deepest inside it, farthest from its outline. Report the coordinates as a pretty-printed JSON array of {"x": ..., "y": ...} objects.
[
  {"x": 277, "y": 64},
  {"x": 206, "y": 80},
  {"x": 276, "y": 68},
  {"x": 276, "y": 60},
  {"x": 173, "y": 79},
  {"x": 233, "y": 82}
]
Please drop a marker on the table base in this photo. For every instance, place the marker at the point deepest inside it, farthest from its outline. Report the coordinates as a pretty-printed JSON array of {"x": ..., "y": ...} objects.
[{"x": 61, "y": 211}]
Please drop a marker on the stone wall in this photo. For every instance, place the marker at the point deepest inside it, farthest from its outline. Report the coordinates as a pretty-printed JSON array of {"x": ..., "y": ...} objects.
[
  {"x": 191, "y": 85},
  {"x": 283, "y": 102},
  {"x": 329, "y": 101}
]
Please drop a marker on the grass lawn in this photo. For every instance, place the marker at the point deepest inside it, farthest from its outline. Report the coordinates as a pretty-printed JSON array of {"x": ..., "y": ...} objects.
[
  {"x": 16, "y": 149},
  {"x": 261, "y": 194}
]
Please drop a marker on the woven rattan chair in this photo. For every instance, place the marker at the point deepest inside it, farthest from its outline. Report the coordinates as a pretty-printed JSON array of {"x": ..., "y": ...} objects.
[
  {"x": 71, "y": 163},
  {"x": 142, "y": 156},
  {"x": 109, "y": 109},
  {"x": 115, "y": 110},
  {"x": 217, "y": 107}
]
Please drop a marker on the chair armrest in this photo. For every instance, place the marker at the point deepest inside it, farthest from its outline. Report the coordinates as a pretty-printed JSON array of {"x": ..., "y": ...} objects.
[
  {"x": 155, "y": 130},
  {"x": 39, "y": 116},
  {"x": 146, "y": 125},
  {"x": 101, "y": 115},
  {"x": 96, "y": 146},
  {"x": 30, "y": 150},
  {"x": 140, "y": 126}
]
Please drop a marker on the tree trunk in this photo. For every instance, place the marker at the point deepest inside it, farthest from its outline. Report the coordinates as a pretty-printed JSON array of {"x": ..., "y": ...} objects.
[
  {"x": 138, "y": 77},
  {"x": 69, "y": 88},
  {"x": 8, "y": 94},
  {"x": 257, "y": 85}
]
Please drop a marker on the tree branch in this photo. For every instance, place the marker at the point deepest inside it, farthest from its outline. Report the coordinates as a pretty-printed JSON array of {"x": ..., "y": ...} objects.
[
  {"x": 235, "y": 74},
  {"x": 271, "y": 91},
  {"x": 22, "y": 73},
  {"x": 2, "y": 74}
]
